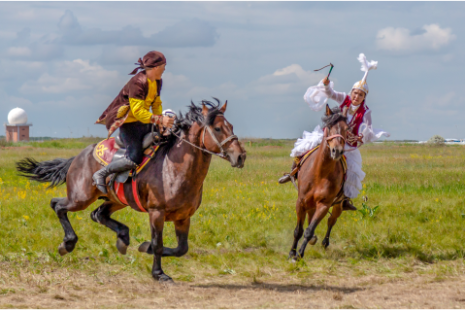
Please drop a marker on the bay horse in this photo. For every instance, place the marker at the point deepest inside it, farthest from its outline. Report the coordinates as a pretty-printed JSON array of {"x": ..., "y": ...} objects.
[
  {"x": 170, "y": 185},
  {"x": 320, "y": 182}
]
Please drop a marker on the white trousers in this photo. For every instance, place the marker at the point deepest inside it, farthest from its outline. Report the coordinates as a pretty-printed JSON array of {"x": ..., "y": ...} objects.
[{"x": 355, "y": 174}]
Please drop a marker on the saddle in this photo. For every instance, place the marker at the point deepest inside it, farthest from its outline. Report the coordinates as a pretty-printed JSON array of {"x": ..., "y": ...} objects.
[
  {"x": 299, "y": 161},
  {"x": 113, "y": 149}
]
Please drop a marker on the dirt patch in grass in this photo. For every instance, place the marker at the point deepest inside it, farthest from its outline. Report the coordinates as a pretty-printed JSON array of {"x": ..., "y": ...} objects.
[{"x": 75, "y": 289}]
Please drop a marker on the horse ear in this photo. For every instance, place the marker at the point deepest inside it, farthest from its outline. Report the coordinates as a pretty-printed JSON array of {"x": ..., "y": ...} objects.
[
  {"x": 204, "y": 110},
  {"x": 328, "y": 111},
  {"x": 223, "y": 108},
  {"x": 344, "y": 111}
]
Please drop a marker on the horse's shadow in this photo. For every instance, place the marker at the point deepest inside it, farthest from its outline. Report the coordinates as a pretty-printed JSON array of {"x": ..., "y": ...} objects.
[{"x": 284, "y": 288}]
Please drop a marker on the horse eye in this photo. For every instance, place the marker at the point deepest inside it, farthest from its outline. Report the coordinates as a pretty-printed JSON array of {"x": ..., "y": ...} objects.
[{"x": 218, "y": 129}]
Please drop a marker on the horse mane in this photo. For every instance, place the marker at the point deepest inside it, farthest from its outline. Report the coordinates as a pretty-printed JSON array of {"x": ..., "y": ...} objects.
[
  {"x": 331, "y": 120},
  {"x": 184, "y": 122}
]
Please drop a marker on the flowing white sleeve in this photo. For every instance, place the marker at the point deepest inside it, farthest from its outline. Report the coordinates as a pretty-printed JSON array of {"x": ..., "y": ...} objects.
[
  {"x": 317, "y": 96},
  {"x": 370, "y": 134}
]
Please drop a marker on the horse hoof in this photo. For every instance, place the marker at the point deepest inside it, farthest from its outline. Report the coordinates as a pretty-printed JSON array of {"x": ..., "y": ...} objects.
[
  {"x": 121, "y": 246},
  {"x": 62, "y": 249},
  {"x": 165, "y": 279},
  {"x": 144, "y": 247},
  {"x": 313, "y": 240},
  {"x": 325, "y": 243}
]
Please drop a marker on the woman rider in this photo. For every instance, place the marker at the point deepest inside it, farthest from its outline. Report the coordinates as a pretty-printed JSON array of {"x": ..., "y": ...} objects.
[
  {"x": 130, "y": 112},
  {"x": 360, "y": 128}
]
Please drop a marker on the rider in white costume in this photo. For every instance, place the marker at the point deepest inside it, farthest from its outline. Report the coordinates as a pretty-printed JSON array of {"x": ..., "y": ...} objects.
[{"x": 360, "y": 127}]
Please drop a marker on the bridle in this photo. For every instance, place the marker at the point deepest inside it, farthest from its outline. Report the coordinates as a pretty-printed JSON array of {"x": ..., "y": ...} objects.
[
  {"x": 351, "y": 138},
  {"x": 332, "y": 137},
  {"x": 219, "y": 144}
]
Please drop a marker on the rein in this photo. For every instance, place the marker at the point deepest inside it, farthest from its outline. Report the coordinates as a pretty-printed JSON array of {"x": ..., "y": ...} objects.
[
  {"x": 220, "y": 145},
  {"x": 350, "y": 139},
  {"x": 332, "y": 137}
]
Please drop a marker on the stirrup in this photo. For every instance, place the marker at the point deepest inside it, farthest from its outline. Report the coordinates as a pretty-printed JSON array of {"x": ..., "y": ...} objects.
[
  {"x": 347, "y": 205},
  {"x": 284, "y": 179}
]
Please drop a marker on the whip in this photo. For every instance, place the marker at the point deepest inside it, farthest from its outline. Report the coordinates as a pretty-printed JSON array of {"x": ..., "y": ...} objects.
[{"x": 331, "y": 69}]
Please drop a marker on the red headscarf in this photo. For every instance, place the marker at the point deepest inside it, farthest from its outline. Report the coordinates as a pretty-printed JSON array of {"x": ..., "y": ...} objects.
[{"x": 151, "y": 60}]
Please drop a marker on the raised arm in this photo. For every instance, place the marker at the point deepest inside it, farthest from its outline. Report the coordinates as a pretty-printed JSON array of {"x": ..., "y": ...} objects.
[
  {"x": 331, "y": 93},
  {"x": 317, "y": 96}
]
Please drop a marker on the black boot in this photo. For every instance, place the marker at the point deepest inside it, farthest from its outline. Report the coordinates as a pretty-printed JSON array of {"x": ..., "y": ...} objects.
[
  {"x": 287, "y": 177},
  {"x": 119, "y": 165},
  {"x": 347, "y": 205}
]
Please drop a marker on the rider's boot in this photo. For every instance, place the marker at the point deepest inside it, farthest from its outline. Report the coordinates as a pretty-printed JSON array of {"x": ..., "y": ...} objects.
[
  {"x": 287, "y": 176},
  {"x": 119, "y": 165},
  {"x": 347, "y": 205}
]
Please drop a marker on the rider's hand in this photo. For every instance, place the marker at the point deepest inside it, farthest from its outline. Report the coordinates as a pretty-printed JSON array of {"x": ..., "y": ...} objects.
[
  {"x": 326, "y": 81},
  {"x": 167, "y": 121}
]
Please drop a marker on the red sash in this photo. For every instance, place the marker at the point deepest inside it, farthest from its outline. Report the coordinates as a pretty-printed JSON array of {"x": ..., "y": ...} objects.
[{"x": 358, "y": 117}]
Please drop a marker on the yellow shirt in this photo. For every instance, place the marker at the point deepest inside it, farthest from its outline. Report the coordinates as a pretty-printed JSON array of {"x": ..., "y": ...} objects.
[{"x": 140, "y": 109}]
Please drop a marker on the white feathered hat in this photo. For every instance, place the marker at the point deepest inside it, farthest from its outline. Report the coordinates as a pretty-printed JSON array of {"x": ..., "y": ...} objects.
[{"x": 366, "y": 66}]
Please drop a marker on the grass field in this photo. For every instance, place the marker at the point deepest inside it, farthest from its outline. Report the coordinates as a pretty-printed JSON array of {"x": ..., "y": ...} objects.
[{"x": 241, "y": 235}]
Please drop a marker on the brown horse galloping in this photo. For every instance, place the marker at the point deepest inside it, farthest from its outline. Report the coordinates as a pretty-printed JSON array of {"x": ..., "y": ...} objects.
[
  {"x": 170, "y": 186},
  {"x": 320, "y": 181}
]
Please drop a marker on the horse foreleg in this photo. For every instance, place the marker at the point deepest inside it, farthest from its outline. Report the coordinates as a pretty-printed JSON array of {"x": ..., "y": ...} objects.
[
  {"x": 157, "y": 221},
  {"x": 62, "y": 206},
  {"x": 298, "y": 232},
  {"x": 319, "y": 214},
  {"x": 182, "y": 233},
  {"x": 337, "y": 210},
  {"x": 102, "y": 215}
]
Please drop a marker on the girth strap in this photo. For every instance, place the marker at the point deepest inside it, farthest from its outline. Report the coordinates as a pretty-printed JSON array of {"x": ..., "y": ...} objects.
[{"x": 135, "y": 193}]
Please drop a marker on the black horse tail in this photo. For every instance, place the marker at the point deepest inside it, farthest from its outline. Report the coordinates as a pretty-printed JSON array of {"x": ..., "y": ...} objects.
[{"x": 53, "y": 171}]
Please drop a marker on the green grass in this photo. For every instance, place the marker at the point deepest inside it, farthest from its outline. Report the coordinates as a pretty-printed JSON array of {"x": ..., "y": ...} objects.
[{"x": 244, "y": 227}]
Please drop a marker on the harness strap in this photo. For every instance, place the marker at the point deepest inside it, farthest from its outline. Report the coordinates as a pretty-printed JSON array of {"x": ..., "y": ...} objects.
[
  {"x": 119, "y": 191},
  {"x": 221, "y": 155},
  {"x": 135, "y": 193}
]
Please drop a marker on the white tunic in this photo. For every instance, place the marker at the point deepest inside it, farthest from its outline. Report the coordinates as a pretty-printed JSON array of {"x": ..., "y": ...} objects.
[{"x": 317, "y": 97}]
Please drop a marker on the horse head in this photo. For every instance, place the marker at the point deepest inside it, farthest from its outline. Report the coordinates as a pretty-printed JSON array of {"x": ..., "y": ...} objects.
[
  {"x": 335, "y": 132},
  {"x": 218, "y": 136}
]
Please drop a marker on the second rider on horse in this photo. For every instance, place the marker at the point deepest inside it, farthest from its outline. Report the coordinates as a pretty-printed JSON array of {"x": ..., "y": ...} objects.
[
  {"x": 360, "y": 128},
  {"x": 130, "y": 112}
]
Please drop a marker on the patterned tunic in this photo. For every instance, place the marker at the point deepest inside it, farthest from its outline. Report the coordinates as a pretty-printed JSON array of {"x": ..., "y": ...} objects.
[{"x": 133, "y": 104}]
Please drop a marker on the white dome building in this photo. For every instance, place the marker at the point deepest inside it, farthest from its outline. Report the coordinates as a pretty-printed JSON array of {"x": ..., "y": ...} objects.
[
  {"x": 17, "y": 128},
  {"x": 17, "y": 116}
]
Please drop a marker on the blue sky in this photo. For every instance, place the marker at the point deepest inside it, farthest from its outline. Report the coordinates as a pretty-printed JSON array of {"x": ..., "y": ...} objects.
[{"x": 64, "y": 62}]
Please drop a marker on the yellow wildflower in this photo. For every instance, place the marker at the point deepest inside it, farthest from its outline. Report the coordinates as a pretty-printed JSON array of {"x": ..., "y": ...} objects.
[{"x": 26, "y": 217}]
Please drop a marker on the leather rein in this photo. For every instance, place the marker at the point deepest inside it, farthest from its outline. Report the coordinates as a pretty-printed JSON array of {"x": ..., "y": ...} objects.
[
  {"x": 351, "y": 139},
  {"x": 203, "y": 149},
  {"x": 332, "y": 137}
]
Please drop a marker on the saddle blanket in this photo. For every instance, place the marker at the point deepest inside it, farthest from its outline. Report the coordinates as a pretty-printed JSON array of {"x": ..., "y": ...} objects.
[
  {"x": 106, "y": 149},
  {"x": 103, "y": 154}
]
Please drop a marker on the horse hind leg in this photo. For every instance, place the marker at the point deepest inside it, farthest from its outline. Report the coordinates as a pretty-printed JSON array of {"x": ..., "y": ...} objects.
[
  {"x": 62, "y": 206},
  {"x": 102, "y": 215},
  {"x": 337, "y": 210}
]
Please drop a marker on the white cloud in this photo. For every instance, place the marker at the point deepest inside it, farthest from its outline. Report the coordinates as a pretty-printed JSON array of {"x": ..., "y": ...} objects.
[
  {"x": 76, "y": 75},
  {"x": 401, "y": 40},
  {"x": 120, "y": 54},
  {"x": 283, "y": 82},
  {"x": 7, "y": 34},
  {"x": 19, "y": 51},
  {"x": 287, "y": 80}
]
